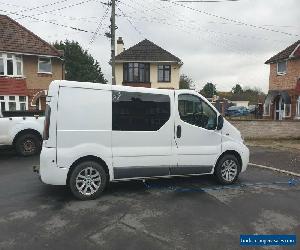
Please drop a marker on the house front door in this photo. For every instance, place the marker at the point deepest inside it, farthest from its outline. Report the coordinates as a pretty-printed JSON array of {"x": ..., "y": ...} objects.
[{"x": 279, "y": 108}]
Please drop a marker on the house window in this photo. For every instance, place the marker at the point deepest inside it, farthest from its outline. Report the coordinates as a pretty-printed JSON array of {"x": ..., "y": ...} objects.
[
  {"x": 281, "y": 68},
  {"x": 1, "y": 64},
  {"x": 136, "y": 72},
  {"x": 267, "y": 109},
  {"x": 2, "y": 106},
  {"x": 11, "y": 65},
  {"x": 2, "y": 103},
  {"x": 19, "y": 65},
  {"x": 13, "y": 103},
  {"x": 22, "y": 101},
  {"x": 298, "y": 107},
  {"x": 45, "y": 65},
  {"x": 12, "y": 106},
  {"x": 164, "y": 73}
]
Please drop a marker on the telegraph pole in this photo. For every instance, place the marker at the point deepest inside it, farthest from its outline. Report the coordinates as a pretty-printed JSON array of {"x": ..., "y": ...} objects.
[{"x": 113, "y": 38}]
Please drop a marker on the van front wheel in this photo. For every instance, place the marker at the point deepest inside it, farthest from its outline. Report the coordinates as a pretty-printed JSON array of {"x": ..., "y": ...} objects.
[
  {"x": 88, "y": 180},
  {"x": 227, "y": 169}
]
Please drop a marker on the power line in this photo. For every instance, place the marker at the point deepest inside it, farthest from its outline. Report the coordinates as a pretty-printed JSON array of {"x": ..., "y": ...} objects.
[
  {"x": 43, "y": 6},
  {"x": 212, "y": 41},
  {"x": 98, "y": 27},
  {"x": 48, "y": 21},
  {"x": 229, "y": 19},
  {"x": 136, "y": 29},
  {"x": 84, "y": 19},
  {"x": 65, "y": 7},
  {"x": 191, "y": 30},
  {"x": 183, "y": 20}
]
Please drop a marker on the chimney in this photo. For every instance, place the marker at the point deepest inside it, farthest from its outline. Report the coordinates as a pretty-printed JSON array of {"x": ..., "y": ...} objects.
[{"x": 120, "y": 45}]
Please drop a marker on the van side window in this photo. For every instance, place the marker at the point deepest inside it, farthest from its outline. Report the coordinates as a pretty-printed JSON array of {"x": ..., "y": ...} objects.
[
  {"x": 134, "y": 111},
  {"x": 195, "y": 111}
]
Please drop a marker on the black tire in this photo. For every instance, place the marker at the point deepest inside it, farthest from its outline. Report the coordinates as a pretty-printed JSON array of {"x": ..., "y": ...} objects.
[
  {"x": 76, "y": 181},
  {"x": 220, "y": 172},
  {"x": 28, "y": 144}
]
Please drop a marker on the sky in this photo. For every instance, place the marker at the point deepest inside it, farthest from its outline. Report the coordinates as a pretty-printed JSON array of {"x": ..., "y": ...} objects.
[{"x": 224, "y": 42}]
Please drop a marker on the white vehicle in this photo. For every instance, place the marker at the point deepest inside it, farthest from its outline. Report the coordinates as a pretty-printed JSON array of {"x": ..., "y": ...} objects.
[
  {"x": 97, "y": 133},
  {"x": 22, "y": 132}
]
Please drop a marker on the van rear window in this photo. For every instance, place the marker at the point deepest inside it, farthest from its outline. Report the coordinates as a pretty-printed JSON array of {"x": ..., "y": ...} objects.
[{"x": 134, "y": 111}]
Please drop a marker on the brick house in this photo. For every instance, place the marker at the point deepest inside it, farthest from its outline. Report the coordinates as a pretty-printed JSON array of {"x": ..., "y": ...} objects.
[
  {"x": 283, "y": 99},
  {"x": 147, "y": 65},
  {"x": 27, "y": 66}
]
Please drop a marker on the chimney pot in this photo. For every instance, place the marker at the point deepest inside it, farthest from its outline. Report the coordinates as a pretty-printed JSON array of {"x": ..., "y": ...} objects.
[{"x": 120, "y": 45}]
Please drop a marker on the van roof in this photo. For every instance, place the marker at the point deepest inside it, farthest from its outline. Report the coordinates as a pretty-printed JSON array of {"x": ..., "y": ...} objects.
[{"x": 89, "y": 85}]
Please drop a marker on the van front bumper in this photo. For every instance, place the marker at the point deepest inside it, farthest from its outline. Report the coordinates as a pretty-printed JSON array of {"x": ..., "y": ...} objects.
[{"x": 245, "y": 154}]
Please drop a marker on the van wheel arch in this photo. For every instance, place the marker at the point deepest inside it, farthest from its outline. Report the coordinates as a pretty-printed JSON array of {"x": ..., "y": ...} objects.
[
  {"x": 88, "y": 158},
  {"x": 25, "y": 132},
  {"x": 234, "y": 153}
]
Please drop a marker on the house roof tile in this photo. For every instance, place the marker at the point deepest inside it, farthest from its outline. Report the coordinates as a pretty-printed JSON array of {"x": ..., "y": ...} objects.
[
  {"x": 147, "y": 51},
  {"x": 286, "y": 53},
  {"x": 13, "y": 86},
  {"x": 16, "y": 38}
]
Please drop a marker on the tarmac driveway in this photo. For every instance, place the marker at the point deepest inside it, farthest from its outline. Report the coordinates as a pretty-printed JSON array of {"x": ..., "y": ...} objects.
[{"x": 178, "y": 213}]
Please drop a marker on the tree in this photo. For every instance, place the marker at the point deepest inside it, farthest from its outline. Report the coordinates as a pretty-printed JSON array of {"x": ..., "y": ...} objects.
[
  {"x": 253, "y": 95},
  {"x": 79, "y": 64},
  {"x": 186, "y": 82},
  {"x": 209, "y": 90},
  {"x": 237, "y": 89}
]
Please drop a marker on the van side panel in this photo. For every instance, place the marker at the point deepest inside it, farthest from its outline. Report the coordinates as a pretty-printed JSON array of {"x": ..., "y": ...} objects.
[
  {"x": 143, "y": 153},
  {"x": 83, "y": 125}
]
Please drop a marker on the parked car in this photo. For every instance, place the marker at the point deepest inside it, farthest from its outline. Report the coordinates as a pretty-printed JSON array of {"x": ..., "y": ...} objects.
[
  {"x": 22, "y": 130},
  {"x": 253, "y": 109},
  {"x": 237, "y": 111},
  {"x": 113, "y": 133}
]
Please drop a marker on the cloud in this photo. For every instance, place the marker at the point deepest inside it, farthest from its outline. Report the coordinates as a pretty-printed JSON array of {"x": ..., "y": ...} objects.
[{"x": 212, "y": 49}]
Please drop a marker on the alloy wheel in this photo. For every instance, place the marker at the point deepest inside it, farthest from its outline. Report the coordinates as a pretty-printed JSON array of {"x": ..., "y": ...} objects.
[
  {"x": 88, "y": 181},
  {"x": 229, "y": 170}
]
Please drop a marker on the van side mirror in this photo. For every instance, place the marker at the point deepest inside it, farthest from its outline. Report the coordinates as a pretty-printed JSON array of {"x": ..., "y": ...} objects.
[{"x": 220, "y": 122}]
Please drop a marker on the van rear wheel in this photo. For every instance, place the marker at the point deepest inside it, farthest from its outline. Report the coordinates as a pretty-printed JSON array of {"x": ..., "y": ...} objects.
[
  {"x": 227, "y": 169},
  {"x": 88, "y": 180}
]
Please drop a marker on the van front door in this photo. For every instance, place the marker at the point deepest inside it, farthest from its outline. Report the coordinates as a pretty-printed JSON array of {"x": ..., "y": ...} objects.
[{"x": 198, "y": 143}]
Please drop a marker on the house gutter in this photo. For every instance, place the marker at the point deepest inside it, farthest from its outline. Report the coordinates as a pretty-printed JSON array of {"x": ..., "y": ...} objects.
[{"x": 28, "y": 54}]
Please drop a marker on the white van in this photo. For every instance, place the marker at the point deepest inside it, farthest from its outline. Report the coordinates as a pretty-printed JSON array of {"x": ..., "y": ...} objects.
[{"x": 96, "y": 133}]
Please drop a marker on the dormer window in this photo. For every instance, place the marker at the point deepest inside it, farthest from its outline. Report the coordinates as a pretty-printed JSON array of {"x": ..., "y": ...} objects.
[
  {"x": 11, "y": 65},
  {"x": 281, "y": 68}
]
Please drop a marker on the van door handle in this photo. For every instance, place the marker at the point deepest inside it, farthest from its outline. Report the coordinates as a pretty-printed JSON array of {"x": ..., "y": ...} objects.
[{"x": 178, "y": 131}]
